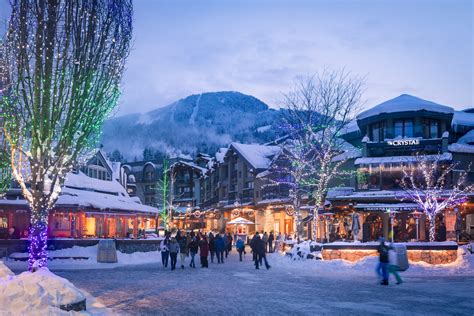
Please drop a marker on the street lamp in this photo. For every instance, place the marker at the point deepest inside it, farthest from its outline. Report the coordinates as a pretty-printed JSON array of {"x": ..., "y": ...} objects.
[
  {"x": 392, "y": 216},
  {"x": 327, "y": 215},
  {"x": 417, "y": 214}
]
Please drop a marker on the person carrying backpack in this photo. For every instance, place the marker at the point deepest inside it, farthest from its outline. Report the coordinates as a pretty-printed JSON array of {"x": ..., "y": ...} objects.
[
  {"x": 212, "y": 247},
  {"x": 183, "y": 249},
  {"x": 220, "y": 247},
  {"x": 393, "y": 266},
  {"x": 240, "y": 246}
]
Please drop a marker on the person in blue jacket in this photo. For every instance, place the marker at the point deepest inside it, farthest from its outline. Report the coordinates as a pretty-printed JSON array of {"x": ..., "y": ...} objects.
[
  {"x": 240, "y": 246},
  {"x": 219, "y": 244}
]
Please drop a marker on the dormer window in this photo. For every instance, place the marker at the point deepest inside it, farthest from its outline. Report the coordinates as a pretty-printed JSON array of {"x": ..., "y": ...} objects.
[{"x": 403, "y": 128}]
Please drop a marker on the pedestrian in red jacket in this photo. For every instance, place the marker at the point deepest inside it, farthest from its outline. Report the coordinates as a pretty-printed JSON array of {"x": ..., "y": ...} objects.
[{"x": 204, "y": 251}]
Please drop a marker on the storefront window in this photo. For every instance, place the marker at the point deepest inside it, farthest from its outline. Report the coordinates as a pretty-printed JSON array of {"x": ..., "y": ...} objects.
[
  {"x": 391, "y": 176},
  {"x": 3, "y": 222}
]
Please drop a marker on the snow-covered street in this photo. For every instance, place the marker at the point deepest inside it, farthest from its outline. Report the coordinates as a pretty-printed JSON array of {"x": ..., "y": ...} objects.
[{"x": 298, "y": 288}]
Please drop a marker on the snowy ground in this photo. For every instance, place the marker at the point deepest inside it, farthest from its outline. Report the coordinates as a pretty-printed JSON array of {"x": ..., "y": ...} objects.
[{"x": 289, "y": 287}]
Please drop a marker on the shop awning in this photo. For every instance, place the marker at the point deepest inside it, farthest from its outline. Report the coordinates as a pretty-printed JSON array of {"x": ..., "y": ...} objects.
[
  {"x": 385, "y": 207},
  {"x": 402, "y": 159},
  {"x": 240, "y": 221}
]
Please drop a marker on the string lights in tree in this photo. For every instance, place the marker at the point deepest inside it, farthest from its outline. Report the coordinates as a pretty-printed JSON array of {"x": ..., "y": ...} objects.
[
  {"x": 434, "y": 184},
  {"x": 315, "y": 113},
  {"x": 63, "y": 65}
]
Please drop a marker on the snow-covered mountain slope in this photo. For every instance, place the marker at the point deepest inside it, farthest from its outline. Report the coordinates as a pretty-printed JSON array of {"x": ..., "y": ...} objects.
[{"x": 198, "y": 123}]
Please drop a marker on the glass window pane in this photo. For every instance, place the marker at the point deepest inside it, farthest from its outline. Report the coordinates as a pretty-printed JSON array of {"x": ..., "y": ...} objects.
[
  {"x": 434, "y": 129},
  {"x": 408, "y": 130},
  {"x": 398, "y": 128}
]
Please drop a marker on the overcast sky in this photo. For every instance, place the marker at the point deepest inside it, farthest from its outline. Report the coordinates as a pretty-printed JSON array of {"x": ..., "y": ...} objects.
[{"x": 180, "y": 48}]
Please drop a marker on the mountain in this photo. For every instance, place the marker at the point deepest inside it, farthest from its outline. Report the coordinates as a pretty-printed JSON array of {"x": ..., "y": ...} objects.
[{"x": 197, "y": 123}]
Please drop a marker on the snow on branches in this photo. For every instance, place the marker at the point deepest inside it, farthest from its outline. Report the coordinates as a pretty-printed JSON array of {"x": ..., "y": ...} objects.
[
  {"x": 62, "y": 65},
  {"x": 434, "y": 185}
]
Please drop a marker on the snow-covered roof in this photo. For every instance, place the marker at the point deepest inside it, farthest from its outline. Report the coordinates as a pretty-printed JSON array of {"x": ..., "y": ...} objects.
[
  {"x": 350, "y": 152},
  {"x": 464, "y": 144},
  {"x": 192, "y": 165},
  {"x": 220, "y": 154},
  {"x": 462, "y": 118},
  {"x": 82, "y": 181},
  {"x": 400, "y": 159},
  {"x": 405, "y": 103},
  {"x": 102, "y": 201},
  {"x": 351, "y": 127},
  {"x": 259, "y": 156}
]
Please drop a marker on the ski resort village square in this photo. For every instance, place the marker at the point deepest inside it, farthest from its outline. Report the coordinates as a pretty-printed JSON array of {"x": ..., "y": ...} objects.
[{"x": 330, "y": 187}]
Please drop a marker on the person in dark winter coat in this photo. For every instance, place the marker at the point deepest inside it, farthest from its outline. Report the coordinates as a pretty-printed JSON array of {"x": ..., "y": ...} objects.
[
  {"x": 229, "y": 244},
  {"x": 240, "y": 246},
  {"x": 226, "y": 244},
  {"x": 174, "y": 249},
  {"x": 204, "y": 247},
  {"x": 193, "y": 249},
  {"x": 271, "y": 238},
  {"x": 382, "y": 268},
  {"x": 219, "y": 244},
  {"x": 259, "y": 248},
  {"x": 165, "y": 251},
  {"x": 183, "y": 249},
  {"x": 253, "y": 246},
  {"x": 212, "y": 247}
]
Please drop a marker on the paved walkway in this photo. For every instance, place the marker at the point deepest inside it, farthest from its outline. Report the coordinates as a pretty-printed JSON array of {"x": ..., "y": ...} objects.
[{"x": 236, "y": 288}]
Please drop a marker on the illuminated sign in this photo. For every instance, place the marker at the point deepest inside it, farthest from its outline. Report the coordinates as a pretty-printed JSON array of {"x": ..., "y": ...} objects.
[{"x": 404, "y": 142}]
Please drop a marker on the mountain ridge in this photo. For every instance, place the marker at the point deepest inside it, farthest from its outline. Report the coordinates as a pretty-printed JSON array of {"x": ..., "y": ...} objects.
[{"x": 197, "y": 123}]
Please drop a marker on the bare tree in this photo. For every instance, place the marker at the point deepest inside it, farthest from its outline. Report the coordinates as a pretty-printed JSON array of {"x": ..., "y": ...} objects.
[
  {"x": 64, "y": 60},
  {"x": 430, "y": 182},
  {"x": 315, "y": 112}
]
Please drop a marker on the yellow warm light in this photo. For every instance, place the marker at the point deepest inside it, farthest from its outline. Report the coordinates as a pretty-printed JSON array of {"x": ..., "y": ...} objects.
[{"x": 90, "y": 226}]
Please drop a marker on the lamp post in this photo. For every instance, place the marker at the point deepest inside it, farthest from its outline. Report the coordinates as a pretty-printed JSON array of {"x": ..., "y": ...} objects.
[
  {"x": 392, "y": 216},
  {"x": 327, "y": 216},
  {"x": 188, "y": 213},
  {"x": 417, "y": 215}
]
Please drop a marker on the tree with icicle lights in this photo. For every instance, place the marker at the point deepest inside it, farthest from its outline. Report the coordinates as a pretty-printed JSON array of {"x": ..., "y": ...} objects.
[
  {"x": 64, "y": 60},
  {"x": 315, "y": 113},
  {"x": 434, "y": 184}
]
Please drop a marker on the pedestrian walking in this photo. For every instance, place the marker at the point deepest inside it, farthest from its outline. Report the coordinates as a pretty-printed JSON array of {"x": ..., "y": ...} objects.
[
  {"x": 271, "y": 238},
  {"x": 382, "y": 268},
  {"x": 226, "y": 244},
  {"x": 193, "y": 249},
  {"x": 253, "y": 246},
  {"x": 212, "y": 247},
  {"x": 240, "y": 246},
  {"x": 265, "y": 240},
  {"x": 204, "y": 251},
  {"x": 174, "y": 249},
  {"x": 219, "y": 244},
  {"x": 260, "y": 245},
  {"x": 393, "y": 266},
  {"x": 165, "y": 251},
  {"x": 229, "y": 244},
  {"x": 183, "y": 249}
]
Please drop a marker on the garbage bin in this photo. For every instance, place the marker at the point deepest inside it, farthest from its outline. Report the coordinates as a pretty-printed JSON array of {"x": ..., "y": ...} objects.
[
  {"x": 106, "y": 252},
  {"x": 402, "y": 256}
]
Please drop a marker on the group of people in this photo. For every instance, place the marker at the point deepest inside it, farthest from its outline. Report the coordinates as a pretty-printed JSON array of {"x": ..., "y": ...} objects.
[
  {"x": 189, "y": 244},
  {"x": 216, "y": 246}
]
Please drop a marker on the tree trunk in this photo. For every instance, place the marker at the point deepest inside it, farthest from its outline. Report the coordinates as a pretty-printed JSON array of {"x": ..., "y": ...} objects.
[
  {"x": 432, "y": 219},
  {"x": 38, "y": 238}
]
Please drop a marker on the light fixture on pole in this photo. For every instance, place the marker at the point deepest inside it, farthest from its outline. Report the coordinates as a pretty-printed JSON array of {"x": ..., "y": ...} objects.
[{"x": 417, "y": 214}]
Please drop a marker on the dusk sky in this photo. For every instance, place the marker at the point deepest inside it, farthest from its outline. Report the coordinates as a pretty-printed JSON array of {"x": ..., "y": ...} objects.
[{"x": 422, "y": 48}]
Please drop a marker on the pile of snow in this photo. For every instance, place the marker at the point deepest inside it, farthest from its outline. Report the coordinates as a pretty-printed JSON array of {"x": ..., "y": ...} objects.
[
  {"x": 464, "y": 144},
  {"x": 41, "y": 293},
  {"x": 90, "y": 263},
  {"x": 302, "y": 251},
  {"x": 464, "y": 265},
  {"x": 5, "y": 273}
]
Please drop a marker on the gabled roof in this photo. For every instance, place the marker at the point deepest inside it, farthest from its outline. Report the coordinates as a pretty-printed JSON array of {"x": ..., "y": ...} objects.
[
  {"x": 405, "y": 103},
  {"x": 258, "y": 156}
]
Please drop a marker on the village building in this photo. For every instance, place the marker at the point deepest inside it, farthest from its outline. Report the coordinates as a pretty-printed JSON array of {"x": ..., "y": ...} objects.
[{"x": 93, "y": 204}]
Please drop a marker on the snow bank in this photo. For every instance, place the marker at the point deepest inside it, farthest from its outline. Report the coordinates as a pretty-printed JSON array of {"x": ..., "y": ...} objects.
[
  {"x": 5, "y": 273},
  {"x": 91, "y": 263},
  {"x": 39, "y": 293},
  {"x": 464, "y": 265},
  {"x": 302, "y": 251}
]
